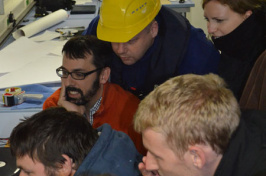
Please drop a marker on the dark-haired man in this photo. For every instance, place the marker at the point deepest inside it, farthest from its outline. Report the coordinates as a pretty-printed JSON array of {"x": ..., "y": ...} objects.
[
  {"x": 57, "y": 142},
  {"x": 85, "y": 88}
]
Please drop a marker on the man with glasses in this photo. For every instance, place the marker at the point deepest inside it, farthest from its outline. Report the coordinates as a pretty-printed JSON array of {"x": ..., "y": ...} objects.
[{"x": 85, "y": 88}]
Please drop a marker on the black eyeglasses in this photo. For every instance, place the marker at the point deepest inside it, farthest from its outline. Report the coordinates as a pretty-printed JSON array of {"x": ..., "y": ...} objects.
[{"x": 63, "y": 73}]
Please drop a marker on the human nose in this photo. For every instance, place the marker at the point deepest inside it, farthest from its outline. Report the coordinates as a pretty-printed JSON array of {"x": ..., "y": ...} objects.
[
  {"x": 150, "y": 162},
  {"x": 212, "y": 27}
]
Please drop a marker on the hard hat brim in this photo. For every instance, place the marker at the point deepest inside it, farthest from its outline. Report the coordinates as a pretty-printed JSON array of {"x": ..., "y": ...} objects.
[{"x": 116, "y": 35}]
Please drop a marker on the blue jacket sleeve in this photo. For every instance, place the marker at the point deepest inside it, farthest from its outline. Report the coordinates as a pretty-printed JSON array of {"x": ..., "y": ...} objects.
[{"x": 92, "y": 28}]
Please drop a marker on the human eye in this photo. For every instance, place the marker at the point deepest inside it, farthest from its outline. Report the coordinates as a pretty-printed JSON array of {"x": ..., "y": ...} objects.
[
  {"x": 219, "y": 20},
  {"x": 78, "y": 75},
  {"x": 132, "y": 41},
  {"x": 206, "y": 19},
  {"x": 155, "y": 156},
  {"x": 26, "y": 172},
  {"x": 64, "y": 72}
]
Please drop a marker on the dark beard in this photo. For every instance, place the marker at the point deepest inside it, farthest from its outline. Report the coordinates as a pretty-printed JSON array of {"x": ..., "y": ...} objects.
[{"x": 84, "y": 99}]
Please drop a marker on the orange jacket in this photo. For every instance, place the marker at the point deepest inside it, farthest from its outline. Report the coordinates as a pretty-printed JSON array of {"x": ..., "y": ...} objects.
[{"x": 117, "y": 109}]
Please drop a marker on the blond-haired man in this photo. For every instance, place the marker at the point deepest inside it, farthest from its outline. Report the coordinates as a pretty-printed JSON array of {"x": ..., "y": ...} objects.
[{"x": 191, "y": 126}]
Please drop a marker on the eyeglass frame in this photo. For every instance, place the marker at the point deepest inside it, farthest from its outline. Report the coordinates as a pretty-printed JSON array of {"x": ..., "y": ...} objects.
[{"x": 70, "y": 73}]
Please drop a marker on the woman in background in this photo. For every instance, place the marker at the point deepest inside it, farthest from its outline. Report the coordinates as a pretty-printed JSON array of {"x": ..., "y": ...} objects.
[{"x": 238, "y": 30}]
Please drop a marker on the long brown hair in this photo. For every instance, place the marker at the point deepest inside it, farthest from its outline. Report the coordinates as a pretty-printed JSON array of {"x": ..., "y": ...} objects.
[{"x": 239, "y": 6}]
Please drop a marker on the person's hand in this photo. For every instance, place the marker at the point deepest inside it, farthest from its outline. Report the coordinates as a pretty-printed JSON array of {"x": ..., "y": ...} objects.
[
  {"x": 69, "y": 105},
  {"x": 144, "y": 171}
]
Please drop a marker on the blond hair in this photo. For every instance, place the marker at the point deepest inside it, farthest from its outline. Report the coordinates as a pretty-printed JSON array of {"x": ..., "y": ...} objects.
[{"x": 190, "y": 109}]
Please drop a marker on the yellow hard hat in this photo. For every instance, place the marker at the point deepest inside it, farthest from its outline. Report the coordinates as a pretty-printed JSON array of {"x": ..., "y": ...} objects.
[{"x": 121, "y": 20}]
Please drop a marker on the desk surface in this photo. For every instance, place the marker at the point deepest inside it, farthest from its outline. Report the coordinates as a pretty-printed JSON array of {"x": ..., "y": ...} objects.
[{"x": 72, "y": 21}]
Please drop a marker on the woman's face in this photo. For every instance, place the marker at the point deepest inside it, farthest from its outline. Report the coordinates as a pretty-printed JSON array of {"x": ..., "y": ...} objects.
[{"x": 221, "y": 19}]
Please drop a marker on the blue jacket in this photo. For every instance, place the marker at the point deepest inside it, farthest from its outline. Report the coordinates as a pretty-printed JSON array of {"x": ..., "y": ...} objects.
[
  {"x": 113, "y": 153},
  {"x": 178, "y": 49}
]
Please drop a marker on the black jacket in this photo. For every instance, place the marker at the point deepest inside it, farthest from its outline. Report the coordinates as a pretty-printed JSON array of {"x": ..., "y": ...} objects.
[
  {"x": 246, "y": 153},
  {"x": 240, "y": 50}
]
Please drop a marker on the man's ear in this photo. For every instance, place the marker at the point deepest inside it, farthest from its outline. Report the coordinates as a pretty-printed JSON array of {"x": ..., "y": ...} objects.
[
  {"x": 67, "y": 167},
  {"x": 104, "y": 76},
  {"x": 154, "y": 29},
  {"x": 198, "y": 156}
]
